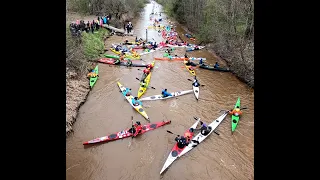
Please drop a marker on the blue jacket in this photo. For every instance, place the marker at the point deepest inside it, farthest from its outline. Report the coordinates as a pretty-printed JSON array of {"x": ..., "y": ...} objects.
[
  {"x": 134, "y": 101},
  {"x": 165, "y": 93},
  {"x": 216, "y": 66},
  {"x": 126, "y": 91}
]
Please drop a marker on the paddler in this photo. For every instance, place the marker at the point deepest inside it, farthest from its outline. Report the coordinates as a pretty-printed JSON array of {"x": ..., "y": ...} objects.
[
  {"x": 204, "y": 130},
  {"x": 235, "y": 112},
  {"x": 184, "y": 140},
  {"x": 122, "y": 55},
  {"x": 188, "y": 63},
  {"x": 200, "y": 62},
  {"x": 143, "y": 84},
  {"x": 150, "y": 66},
  {"x": 92, "y": 74},
  {"x": 146, "y": 72},
  {"x": 129, "y": 62},
  {"x": 181, "y": 141},
  {"x": 136, "y": 129},
  {"x": 136, "y": 102},
  {"x": 127, "y": 92},
  {"x": 195, "y": 82},
  {"x": 216, "y": 65},
  {"x": 165, "y": 93}
]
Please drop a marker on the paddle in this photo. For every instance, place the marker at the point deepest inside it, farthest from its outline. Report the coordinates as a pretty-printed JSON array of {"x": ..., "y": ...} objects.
[
  {"x": 200, "y": 85},
  {"x": 173, "y": 133},
  {"x": 132, "y": 132},
  {"x": 149, "y": 86}
]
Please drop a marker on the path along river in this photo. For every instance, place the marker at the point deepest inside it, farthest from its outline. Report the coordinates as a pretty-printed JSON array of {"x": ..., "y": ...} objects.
[{"x": 106, "y": 111}]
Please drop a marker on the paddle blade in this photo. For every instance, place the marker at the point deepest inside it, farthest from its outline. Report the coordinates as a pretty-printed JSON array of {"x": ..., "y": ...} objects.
[
  {"x": 244, "y": 108},
  {"x": 189, "y": 79},
  {"x": 138, "y": 79},
  {"x": 131, "y": 118},
  {"x": 195, "y": 118},
  {"x": 169, "y": 132}
]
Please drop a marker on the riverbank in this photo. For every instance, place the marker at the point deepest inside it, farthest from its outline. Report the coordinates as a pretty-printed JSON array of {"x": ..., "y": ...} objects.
[{"x": 77, "y": 84}]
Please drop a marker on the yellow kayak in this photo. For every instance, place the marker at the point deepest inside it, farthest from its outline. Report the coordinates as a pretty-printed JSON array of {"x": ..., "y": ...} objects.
[
  {"x": 190, "y": 68},
  {"x": 142, "y": 90},
  {"x": 113, "y": 50},
  {"x": 132, "y": 56},
  {"x": 137, "y": 108}
]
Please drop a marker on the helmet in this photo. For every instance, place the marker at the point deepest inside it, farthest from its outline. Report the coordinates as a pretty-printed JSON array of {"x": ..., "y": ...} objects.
[
  {"x": 138, "y": 123},
  {"x": 238, "y": 109}
]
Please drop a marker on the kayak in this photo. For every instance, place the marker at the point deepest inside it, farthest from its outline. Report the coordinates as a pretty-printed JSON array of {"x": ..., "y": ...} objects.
[
  {"x": 190, "y": 69},
  {"x": 176, "y": 150},
  {"x": 111, "y": 56},
  {"x": 174, "y": 94},
  {"x": 142, "y": 90},
  {"x": 199, "y": 137},
  {"x": 203, "y": 66},
  {"x": 235, "y": 119},
  {"x": 93, "y": 80},
  {"x": 196, "y": 90},
  {"x": 127, "y": 133},
  {"x": 112, "y": 62},
  {"x": 137, "y": 108},
  {"x": 131, "y": 56},
  {"x": 113, "y": 50}
]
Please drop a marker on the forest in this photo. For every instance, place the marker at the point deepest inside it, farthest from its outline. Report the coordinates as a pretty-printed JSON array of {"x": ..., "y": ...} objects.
[{"x": 225, "y": 26}]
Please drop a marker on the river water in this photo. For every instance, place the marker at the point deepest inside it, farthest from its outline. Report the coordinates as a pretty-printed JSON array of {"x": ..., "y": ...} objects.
[{"x": 228, "y": 156}]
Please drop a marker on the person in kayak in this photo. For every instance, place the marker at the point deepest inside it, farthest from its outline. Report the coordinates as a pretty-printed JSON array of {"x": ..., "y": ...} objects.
[
  {"x": 200, "y": 62},
  {"x": 216, "y": 65},
  {"x": 150, "y": 67},
  {"x": 92, "y": 74},
  {"x": 117, "y": 61},
  {"x": 195, "y": 82},
  {"x": 136, "y": 102},
  {"x": 165, "y": 93},
  {"x": 188, "y": 63},
  {"x": 118, "y": 48},
  {"x": 146, "y": 72},
  {"x": 129, "y": 62},
  {"x": 235, "y": 112},
  {"x": 121, "y": 58},
  {"x": 136, "y": 129},
  {"x": 127, "y": 92},
  {"x": 204, "y": 130},
  {"x": 184, "y": 140}
]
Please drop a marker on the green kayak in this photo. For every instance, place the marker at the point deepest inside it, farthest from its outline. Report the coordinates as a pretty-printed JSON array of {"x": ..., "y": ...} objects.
[
  {"x": 111, "y": 56},
  {"x": 93, "y": 80},
  {"x": 235, "y": 119}
]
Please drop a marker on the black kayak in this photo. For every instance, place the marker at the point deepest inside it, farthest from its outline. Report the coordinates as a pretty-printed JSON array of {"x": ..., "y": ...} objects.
[
  {"x": 192, "y": 64},
  {"x": 203, "y": 66}
]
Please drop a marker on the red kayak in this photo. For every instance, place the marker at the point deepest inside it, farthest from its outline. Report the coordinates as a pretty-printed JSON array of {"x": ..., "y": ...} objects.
[
  {"x": 112, "y": 62},
  {"x": 126, "y": 133}
]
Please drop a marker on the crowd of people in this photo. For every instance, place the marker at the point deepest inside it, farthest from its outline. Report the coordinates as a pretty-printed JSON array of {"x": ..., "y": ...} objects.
[{"x": 90, "y": 26}]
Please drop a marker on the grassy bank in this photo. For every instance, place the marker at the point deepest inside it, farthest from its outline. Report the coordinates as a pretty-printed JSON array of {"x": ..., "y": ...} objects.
[
  {"x": 224, "y": 26},
  {"x": 81, "y": 54}
]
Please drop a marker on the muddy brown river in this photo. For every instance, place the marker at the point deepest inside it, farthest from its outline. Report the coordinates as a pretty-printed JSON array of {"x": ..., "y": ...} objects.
[{"x": 227, "y": 156}]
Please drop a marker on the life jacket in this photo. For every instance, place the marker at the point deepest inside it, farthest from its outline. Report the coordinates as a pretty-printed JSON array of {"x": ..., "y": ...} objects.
[
  {"x": 92, "y": 74},
  {"x": 236, "y": 112}
]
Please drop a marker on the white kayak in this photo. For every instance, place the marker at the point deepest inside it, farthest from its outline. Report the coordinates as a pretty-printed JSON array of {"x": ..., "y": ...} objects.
[
  {"x": 196, "y": 89},
  {"x": 174, "y": 94},
  {"x": 174, "y": 153},
  {"x": 199, "y": 137}
]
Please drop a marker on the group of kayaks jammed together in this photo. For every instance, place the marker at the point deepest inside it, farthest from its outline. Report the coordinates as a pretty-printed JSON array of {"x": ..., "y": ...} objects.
[{"x": 125, "y": 53}]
